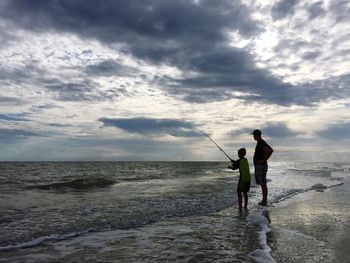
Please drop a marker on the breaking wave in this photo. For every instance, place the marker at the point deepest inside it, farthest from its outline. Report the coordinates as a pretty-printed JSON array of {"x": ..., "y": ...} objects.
[{"x": 78, "y": 184}]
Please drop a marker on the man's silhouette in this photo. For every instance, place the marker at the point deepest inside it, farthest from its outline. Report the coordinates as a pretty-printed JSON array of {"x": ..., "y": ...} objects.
[{"x": 262, "y": 153}]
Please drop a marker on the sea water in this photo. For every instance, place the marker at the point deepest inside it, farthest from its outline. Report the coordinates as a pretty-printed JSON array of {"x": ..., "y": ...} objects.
[{"x": 143, "y": 211}]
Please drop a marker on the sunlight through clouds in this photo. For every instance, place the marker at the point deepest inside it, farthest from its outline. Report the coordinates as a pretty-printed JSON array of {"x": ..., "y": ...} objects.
[
  {"x": 225, "y": 68},
  {"x": 264, "y": 44}
]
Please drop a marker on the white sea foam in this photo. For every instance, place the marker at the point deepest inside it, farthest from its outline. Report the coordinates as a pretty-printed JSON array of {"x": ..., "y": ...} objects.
[
  {"x": 261, "y": 256},
  {"x": 257, "y": 219},
  {"x": 38, "y": 241},
  {"x": 262, "y": 220}
]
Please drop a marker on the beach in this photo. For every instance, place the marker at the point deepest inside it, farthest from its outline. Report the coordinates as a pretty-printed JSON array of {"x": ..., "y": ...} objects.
[
  {"x": 171, "y": 212},
  {"x": 313, "y": 227}
]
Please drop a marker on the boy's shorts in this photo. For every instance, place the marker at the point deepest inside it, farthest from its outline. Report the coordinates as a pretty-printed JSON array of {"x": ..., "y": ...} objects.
[
  {"x": 260, "y": 173},
  {"x": 243, "y": 187}
]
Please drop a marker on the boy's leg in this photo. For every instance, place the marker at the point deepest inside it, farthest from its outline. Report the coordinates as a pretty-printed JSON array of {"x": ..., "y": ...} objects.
[
  {"x": 245, "y": 200},
  {"x": 239, "y": 195}
]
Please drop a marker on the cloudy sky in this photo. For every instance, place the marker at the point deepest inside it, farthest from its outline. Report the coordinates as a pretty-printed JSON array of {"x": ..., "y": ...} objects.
[{"x": 140, "y": 80}]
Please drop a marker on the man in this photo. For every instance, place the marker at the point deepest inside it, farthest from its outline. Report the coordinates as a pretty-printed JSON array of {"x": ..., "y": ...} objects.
[{"x": 262, "y": 153}]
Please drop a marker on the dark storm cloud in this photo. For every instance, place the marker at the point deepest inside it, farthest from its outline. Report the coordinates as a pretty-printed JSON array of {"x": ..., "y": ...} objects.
[
  {"x": 173, "y": 127},
  {"x": 12, "y": 117},
  {"x": 10, "y": 101},
  {"x": 43, "y": 107},
  {"x": 109, "y": 68},
  {"x": 84, "y": 91},
  {"x": 184, "y": 34},
  {"x": 58, "y": 125},
  {"x": 137, "y": 145},
  {"x": 291, "y": 44},
  {"x": 336, "y": 132},
  {"x": 4, "y": 38},
  {"x": 340, "y": 10},
  {"x": 275, "y": 130},
  {"x": 283, "y": 8},
  {"x": 10, "y": 135},
  {"x": 134, "y": 149},
  {"x": 225, "y": 70},
  {"x": 278, "y": 130},
  {"x": 311, "y": 55},
  {"x": 332, "y": 88},
  {"x": 81, "y": 90},
  {"x": 63, "y": 88},
  {"x": 316, "y": 10},
  {"x": 151, "y": 30},
  {"x": 18, "y": 75},
  {"x": 133, "y": 21}
]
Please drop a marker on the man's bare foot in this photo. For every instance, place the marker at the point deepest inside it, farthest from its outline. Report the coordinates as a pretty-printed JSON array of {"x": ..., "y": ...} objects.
[{"x": 263, "y": 203}]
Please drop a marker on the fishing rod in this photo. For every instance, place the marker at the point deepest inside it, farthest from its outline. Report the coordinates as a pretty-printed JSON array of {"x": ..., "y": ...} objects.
[{"x": 217, "y": 145}]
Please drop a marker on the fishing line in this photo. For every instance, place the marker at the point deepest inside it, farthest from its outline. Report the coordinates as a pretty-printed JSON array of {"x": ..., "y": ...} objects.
[{"x": 206, "y": 135}]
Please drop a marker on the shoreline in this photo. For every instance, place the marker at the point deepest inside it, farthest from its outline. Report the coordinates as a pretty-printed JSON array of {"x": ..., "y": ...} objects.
[
  {"x": 319, "y": 220},
  {"x": 182, "y": 221}
]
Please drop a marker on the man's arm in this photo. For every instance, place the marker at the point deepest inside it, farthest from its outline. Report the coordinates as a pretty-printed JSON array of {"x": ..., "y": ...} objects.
[{"x": 267, "y": 153}]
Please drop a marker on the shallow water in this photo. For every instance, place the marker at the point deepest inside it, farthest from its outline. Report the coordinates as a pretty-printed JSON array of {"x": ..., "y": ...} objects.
[
  {"x": 316, "y": 229},
  {"x": 139, "y": 211}
]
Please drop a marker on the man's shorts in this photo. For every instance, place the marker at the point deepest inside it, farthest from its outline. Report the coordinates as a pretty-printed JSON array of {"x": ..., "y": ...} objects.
[
  {"x": 260, "y": 173},
  {"x": 243, "y": 187}
]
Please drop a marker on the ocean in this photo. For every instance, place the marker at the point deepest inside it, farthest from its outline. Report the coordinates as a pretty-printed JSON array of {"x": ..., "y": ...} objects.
[{"x": 163, "y": 212}]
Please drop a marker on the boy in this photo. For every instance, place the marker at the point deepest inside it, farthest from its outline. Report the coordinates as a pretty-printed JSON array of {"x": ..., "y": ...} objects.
[{"x": 244, "y": 177}]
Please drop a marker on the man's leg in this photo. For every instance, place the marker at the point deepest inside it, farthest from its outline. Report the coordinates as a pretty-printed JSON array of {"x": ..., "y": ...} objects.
[
  {"x": 264, "y": 194},
  {"x": 245, "y": 200}
]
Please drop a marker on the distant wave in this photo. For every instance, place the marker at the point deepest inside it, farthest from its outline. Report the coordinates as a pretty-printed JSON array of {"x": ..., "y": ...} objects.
[
  {"x": 39, "y": 241},
  {"x": 313, "y": 173},
  {"x": 79, "y": 184}
]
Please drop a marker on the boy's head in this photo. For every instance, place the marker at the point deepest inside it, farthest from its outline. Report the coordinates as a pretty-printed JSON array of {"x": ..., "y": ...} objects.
[{"x": 241, "y": 153}]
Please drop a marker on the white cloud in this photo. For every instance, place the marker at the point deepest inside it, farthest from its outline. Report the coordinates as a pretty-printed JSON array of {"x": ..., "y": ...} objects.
[
  {"x": 299, "y": 35},
  {"x": 63, "y": 82}
]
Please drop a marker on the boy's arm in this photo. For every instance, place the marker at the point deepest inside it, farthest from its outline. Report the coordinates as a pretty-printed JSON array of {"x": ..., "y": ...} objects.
[{"x": 234, "y": 165}]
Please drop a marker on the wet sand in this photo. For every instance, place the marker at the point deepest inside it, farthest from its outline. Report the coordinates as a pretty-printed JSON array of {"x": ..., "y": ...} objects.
[{"x": 314, "y": 227}]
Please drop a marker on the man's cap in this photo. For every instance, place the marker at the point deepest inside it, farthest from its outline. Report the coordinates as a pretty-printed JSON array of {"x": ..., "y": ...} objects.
[{"x": 256, "y": 132}]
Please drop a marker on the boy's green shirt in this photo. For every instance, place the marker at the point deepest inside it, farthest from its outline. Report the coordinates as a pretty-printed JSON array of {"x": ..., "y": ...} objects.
[{"x": 244, "y": 170}]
